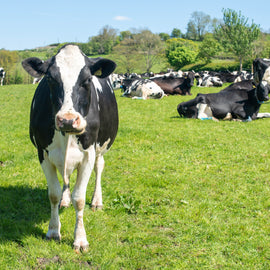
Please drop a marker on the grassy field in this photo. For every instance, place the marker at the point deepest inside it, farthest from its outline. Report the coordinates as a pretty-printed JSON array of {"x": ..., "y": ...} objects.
[{"x": 178, "y": 193}]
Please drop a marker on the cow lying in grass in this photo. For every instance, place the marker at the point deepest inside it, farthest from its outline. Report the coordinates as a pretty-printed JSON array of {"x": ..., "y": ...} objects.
[
  {"x": 141, "y": 89},
  {"x": 239, "y": 101}
]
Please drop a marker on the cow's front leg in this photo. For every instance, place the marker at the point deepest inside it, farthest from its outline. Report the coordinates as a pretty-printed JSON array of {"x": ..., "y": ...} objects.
[
  {"x": 97, "y": 196},
  {"x": 78, "y": 200},
  {"x": 66, "y": 195},
  {"x": 54, "y": 192}
]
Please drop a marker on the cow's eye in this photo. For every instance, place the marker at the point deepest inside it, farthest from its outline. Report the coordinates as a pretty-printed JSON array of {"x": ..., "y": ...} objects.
[{"x": 86, "y": 82}]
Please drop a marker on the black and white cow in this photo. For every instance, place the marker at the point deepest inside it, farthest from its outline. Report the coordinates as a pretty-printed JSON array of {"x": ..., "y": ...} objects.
[
  {"x": 172, "y": 85},
  {"x": 207, "y": 80},
  {"x": 141, "y": 89},
  {"x": 73, "y": 122},
  {"x": 261, "y": 70},
  {"x": 239, "y": 101},
  {"x": 2, "y": 75}
]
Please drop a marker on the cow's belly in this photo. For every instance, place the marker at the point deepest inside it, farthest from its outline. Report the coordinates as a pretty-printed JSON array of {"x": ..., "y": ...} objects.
[{"x": 65, "y": 153}]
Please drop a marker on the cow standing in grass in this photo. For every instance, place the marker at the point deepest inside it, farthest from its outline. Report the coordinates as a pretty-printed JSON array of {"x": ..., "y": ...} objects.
[
  {"x": 2, "y": 75},
  {"x": 73, "y": 122}
]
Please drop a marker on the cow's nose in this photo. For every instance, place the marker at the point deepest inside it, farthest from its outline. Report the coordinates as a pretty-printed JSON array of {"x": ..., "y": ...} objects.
[{"x": 67, "y": 124}]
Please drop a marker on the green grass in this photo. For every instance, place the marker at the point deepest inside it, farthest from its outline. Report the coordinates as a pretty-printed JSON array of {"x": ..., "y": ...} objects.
[{"x": 178, "y": 193}]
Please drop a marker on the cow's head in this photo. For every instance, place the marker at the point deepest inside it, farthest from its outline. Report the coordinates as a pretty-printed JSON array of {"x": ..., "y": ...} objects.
[
  {"x": 262, "y": 91},
  {"x": 190, "y": 77},
  {"x": 188, "y": 83},
  {"x": 71, "y": 78},
  {"x": 261, "y": 70},
  {"x": 189, "y": 109}
]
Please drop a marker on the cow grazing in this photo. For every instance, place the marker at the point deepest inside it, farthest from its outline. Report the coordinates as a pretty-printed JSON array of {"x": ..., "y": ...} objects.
[
  {"x": 141, "y": 89},
  {"x": 172, "y": 85},
  {"x": 73, "y": 122},
  {"x": 238, "y": 101},
  {"x": 2, "y": 75}
]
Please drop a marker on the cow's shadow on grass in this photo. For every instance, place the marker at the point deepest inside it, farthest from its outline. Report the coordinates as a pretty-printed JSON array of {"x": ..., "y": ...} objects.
[{"x": 22, "y": 209}]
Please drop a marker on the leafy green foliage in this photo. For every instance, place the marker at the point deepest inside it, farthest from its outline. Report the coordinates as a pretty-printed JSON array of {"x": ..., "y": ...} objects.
[
  {"x": 208, "y": 48},
  {"x": 176, "y": 33},
  {"x": 126, "y": 202},
  {"x": 181, "y": 52},
  {"x": 236, "y": 35}
]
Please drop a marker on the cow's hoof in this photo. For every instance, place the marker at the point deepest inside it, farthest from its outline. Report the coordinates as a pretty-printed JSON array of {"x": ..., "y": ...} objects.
[
  {"x": 96, "y": 207},
  {"x": 53, "y": 234},
  {"x": 82, "y": 249},
  {"x": 81, "y": 246},
  {"x": 64, "y": 203}
]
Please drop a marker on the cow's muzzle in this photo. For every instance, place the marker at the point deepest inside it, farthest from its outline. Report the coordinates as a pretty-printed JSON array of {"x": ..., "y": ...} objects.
[{"x": 70, "y": 123}]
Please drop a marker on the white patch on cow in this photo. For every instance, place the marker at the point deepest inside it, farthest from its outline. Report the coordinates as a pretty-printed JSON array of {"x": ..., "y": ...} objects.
[
  {"x": 65, "y": 153},
  {"x": 98, "y": 88},
  {"x": 110, "y": 86},
  {"x": 263, "y": 115},
  {"x": 144, "y": 89},
  {"x": 97, "y": 84},
  {"x": 101, "y": 150},
  {"x": 204, "y": 111},
  {"x": 266, "y": 76},
  {"x": 70, "y": 61},
  {"x": 264, "y": 83}
]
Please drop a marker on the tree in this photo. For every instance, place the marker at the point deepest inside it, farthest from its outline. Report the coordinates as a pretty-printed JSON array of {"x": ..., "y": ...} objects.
[
  {"x": 126, "y": 55},
  {"x": 236, "y": 35},
  {"x": 198, "y": 25},
  {"x": 150, "y": 46},
  {"x": 181, "y": 52},
  {"x": 125, "y": 34},
  {"x": 176, "y": 33},
  {"x": 164, "y": 36},
  {"x": 8, "y": 58},
  {"x": 208, "y": 48},
  {"x": 104, "y": 42}
]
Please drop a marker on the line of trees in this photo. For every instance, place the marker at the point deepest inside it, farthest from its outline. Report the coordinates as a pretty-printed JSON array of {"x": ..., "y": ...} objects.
[{"x": 204, "y": 39}]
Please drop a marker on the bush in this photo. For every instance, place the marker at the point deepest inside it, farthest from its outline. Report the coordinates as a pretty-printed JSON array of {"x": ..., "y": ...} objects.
[{"x": 181, "y": 52}]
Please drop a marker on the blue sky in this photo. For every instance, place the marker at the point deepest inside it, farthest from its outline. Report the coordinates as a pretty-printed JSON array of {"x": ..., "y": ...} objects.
[{"x": 29, "y": 24}]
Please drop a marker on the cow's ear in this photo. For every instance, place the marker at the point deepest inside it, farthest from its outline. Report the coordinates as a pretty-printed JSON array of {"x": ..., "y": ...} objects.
[
  {"x": 35, "y": 66},
  {"x": 102, "y": 67}
]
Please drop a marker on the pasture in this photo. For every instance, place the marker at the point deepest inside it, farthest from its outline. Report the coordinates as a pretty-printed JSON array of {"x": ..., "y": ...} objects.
[{"x": 177, "y": 193}]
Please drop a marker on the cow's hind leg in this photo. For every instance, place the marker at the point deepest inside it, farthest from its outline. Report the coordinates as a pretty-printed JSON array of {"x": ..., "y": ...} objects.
[
  {"x": 97, "y": 196},
  {"x": 78, "y": 200},
  {"x": 54, "y": 192}
]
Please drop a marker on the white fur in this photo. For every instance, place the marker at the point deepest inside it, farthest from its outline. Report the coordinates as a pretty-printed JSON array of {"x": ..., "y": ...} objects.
[
  {"x": 266, "y": 76},
  {"x": 204, "y": 111},
  {"x": 69, "y": 70},
  {"x": 97, "y": 84},
  {"x": 145, "y": 90}
]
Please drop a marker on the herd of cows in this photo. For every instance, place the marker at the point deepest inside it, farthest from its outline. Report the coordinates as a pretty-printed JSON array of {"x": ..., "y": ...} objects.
[
  {"x": 74, "y": 119},
  {"x": 240, "y": 101}
]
